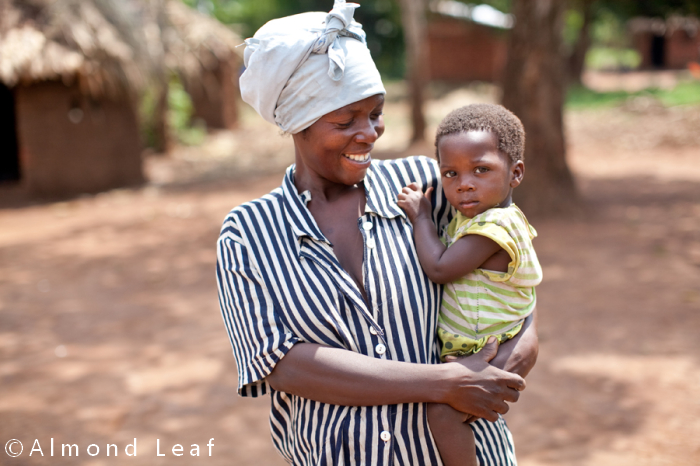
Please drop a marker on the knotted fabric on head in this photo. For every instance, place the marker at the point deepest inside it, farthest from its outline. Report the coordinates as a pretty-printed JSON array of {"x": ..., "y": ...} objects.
[{"x": 302, "y": 67}]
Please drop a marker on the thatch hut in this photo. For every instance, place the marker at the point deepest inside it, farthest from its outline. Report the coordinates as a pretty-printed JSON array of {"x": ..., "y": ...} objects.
[
  {"x": 68, "y": 77},
  {"x": 71, "y": 72},
  {"x": 670, "y": 43}
]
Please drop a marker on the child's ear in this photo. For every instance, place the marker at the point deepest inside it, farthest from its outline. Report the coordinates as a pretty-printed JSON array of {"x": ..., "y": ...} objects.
[{"x": 517, "y": 171}]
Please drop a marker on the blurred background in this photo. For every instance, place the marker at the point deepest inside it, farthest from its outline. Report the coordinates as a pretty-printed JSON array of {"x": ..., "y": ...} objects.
[{"x": 124, "y": 143}]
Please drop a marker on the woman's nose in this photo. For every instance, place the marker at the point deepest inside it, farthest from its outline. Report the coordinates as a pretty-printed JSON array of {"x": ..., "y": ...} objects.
[{"x": 369, "y": 132}]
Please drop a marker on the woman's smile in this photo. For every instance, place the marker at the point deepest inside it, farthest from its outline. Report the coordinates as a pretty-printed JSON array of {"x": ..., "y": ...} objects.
[
  {"x": 363, "y": 158},
  {"x": 337, "y": 147}
]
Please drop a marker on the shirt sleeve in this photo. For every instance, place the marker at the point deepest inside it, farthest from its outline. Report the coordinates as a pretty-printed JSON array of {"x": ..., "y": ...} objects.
[{"x": 258, "y": 337}]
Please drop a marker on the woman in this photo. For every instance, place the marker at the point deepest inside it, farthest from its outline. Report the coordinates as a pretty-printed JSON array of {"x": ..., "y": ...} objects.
[{"x": 320, "y": 287}]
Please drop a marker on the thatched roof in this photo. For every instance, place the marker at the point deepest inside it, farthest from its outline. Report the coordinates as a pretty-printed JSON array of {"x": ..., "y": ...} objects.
[
  {"x": 107, "y": 46},
  {"x": 660, "y": 26},
  {"x": 67, "y": 40}
]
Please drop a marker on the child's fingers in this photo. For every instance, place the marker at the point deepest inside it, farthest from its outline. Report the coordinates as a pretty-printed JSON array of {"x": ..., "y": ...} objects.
[
  {"x": 428, "y": 191},
  {"x": 490, "y": 350},
  {"x": 411, "y": 188}
]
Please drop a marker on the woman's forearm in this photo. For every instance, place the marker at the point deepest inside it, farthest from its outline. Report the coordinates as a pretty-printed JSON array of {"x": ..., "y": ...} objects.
[
  {"x": 342, "y": 377},
  {"x": 519, "y": 355}
]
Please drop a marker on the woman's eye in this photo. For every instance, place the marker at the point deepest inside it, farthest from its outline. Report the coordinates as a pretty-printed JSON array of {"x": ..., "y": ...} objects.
[
  {"x": 481, "y": 169},
  {"x": 377, "y": 115},
  {"x": 345, "y": 124},
  {"x": 450, "y": 174}
]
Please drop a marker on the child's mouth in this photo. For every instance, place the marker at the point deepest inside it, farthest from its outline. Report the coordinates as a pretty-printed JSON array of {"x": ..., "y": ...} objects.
[{"x": 468, "y": 204}]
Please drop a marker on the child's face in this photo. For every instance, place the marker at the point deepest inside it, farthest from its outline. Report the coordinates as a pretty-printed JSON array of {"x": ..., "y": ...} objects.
[{"x": 476, "y": 176}]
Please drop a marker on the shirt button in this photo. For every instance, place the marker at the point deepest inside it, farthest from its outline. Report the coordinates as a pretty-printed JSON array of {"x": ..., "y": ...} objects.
[
  {"x": 373, "y": 330},
  {"x": 386, "y": 436},
  {"x": 367, "y": 226},
  {"x": 371, "y": 243},
  {"x": 380, "y": 349}
]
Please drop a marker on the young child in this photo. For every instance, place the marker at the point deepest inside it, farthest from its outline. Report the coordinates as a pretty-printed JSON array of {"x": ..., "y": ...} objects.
[{"x": 488, "y": 264}]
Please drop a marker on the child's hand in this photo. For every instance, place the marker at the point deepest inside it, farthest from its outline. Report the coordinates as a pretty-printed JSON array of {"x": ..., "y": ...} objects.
[{"x": 414, "y": 202}]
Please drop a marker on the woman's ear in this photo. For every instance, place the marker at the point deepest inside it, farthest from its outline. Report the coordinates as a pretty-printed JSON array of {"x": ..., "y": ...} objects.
[{"x": 517, "y": 171}]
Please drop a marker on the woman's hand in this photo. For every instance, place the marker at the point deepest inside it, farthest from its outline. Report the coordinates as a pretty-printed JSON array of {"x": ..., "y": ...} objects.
[
  {"x": 337, "y": 376},
  {"x": 483, "y": 392},
  {"x": 519, "y": 354},
  {"x": 414, "y": 202}
]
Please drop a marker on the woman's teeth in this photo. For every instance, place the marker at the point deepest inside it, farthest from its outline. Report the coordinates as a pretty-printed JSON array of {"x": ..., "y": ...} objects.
[{"x": 357, "y": 158}]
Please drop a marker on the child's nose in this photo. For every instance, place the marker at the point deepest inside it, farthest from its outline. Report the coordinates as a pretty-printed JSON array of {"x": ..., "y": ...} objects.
[{"x": 466, "y": 183}]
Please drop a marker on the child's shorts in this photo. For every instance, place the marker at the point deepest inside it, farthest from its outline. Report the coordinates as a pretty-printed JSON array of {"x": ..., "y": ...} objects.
[{"x": 460, "y": 345}]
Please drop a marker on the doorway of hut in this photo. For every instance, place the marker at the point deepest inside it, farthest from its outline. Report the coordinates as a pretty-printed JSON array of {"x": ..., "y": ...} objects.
[
  {"x": 658, "y": 51},
  {"x": 9, "y": 154}
]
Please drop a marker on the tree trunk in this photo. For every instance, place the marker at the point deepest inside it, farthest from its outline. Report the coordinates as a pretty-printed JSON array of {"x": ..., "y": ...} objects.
[
  {"x": 414, "y": 21},
  {"x": 577, "y": 60},
  {"x": 533, "y": 89}
]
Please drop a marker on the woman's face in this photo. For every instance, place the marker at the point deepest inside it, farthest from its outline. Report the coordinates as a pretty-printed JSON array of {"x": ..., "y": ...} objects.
[{"x": 336, "y": 148}]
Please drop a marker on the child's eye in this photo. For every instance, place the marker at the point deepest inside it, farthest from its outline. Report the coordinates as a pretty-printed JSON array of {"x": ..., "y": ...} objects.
[
  {"x": 346, "y": 124},
  {"x": 481, "y": 169},
  {"x": 449, "y": 174}
]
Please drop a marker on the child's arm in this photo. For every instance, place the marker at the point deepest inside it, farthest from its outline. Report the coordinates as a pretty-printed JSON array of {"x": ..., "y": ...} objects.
[{"x": 466, "y": 254}]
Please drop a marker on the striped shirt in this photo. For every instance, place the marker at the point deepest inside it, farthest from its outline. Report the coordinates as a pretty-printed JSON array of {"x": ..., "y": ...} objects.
[{"x": 280, "y": 284}]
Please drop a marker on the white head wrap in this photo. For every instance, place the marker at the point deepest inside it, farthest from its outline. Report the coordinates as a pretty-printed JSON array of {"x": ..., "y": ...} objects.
[{"x": 302, "y": 67}]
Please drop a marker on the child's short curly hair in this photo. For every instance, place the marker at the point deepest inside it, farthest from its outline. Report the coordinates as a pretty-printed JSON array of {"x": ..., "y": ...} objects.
[{"x": 486, "y": 117}]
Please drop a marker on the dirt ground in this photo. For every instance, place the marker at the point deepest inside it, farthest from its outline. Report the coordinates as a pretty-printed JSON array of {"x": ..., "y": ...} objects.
[{"x": 110, "y": 329}]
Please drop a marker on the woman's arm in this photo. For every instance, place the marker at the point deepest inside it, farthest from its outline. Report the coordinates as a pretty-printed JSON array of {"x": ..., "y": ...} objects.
[
  {"x": 519, "y": 354},
  {"x": 330, "y": 375}
]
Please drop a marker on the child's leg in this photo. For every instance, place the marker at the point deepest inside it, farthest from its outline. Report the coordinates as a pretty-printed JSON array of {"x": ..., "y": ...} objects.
[{"x": 453, "y": 436}]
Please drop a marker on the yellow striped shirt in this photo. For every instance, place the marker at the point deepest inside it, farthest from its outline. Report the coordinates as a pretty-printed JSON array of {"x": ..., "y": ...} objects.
[{"x": 484, "y": 302}]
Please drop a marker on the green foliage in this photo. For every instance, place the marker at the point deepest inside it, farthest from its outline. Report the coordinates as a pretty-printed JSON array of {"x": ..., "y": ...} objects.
[
  {"x": 180, "y": 111},
  {"x": 626, "y": 9},
  {"x": 179, "y": 116},
  {"x": 573, "y": 22},
  {"x": 611, "y": 58},
  {"x": 686, "y": 93},
  {"x": 683, "y": 94},
  {"x": 147, "y": 109},
  {"x": 381, "y": 20},
  {"x": 609, "y": 29}
]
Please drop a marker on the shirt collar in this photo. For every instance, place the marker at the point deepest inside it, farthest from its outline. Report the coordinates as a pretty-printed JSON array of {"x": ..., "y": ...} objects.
[
  {"x": 298, "y": 215},
  {"x": 381, "y": 195},
  {"x": 381, "y": 200}
]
